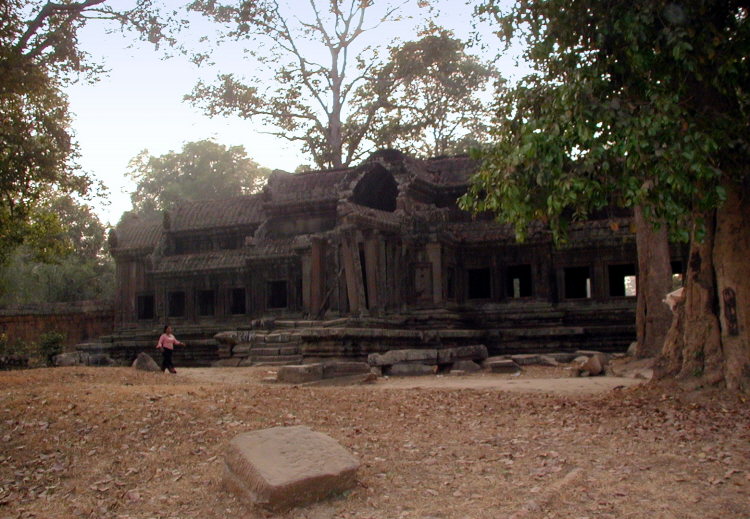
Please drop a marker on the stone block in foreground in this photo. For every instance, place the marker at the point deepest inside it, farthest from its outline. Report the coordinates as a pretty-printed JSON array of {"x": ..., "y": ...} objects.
[
  {"x": 300, "y": 373},
  {"x": 283, "y": 467}
]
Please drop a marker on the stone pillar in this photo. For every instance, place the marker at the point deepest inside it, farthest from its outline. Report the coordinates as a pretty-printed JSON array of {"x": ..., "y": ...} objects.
[
  {"x": 317, "y": 285},
  {"x": 371, "y": 269},
  {"x": 353, "y": 271},
  {"x": 307, "y": 284},
  {"x": 435, "y": 257}
]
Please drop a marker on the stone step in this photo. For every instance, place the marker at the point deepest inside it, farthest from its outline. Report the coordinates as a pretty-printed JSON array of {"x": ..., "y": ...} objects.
[
  {"x": 283, "y": 350},
  {"x": 276, "y": 360}
]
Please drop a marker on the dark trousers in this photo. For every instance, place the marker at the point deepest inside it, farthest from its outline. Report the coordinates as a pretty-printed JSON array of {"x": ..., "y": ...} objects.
[{"x": 166, "y": 360}]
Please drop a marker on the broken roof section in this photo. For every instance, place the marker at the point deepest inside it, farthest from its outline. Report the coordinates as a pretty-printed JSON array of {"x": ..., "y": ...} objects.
[{"x": 376, "y": 183}]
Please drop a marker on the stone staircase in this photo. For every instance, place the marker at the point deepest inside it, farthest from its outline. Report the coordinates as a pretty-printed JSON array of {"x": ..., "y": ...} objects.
[{"x": 124, "y": 345}]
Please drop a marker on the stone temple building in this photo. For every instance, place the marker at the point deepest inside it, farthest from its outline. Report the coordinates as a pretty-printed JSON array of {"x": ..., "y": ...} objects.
[{"x": 375, "y": 254}]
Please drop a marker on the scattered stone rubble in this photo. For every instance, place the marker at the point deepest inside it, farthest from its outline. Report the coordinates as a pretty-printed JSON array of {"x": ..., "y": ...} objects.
[
  {"x": 455, "y": 361},
  {"x": 284, "y": 467}
]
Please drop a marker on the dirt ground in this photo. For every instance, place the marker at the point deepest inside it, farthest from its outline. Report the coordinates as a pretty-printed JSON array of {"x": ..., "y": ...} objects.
[{"x": 116, "y": 443}]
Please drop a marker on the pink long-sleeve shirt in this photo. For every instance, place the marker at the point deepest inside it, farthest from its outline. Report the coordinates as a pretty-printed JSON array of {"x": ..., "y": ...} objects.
[{"x": 167, "y": 341}]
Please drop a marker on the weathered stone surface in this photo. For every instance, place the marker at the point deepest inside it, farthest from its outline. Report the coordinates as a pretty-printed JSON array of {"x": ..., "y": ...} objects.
[
  {"x": 73, "y": 358},
  {"x": 300, "y": 373},
  {"x": 477, "y": 352},
  {"x": 406, "y": 369},
  {"x": 389, "y": 358},
  {"x": 344, "y": 369},
  {"x": 562, "y": 357},
  {"x": 467, "y": 366},
  {"x": 227, "y": 338},
  {"x": 485, "y": 363},
  {"x": 546, "y": 360},
  {"x": 100, "y": 359},
  {"x": 525, "y": 359},
  {"x": 503, "y": 366},
  {"x": 144, "y": 362},
  {"x": 227, "y": 363},
  {"x": 593, "y": 366},
  {"x": 283, "y": 467}
]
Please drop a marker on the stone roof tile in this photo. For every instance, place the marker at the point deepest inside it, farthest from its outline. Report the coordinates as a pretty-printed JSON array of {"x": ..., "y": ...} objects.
[{"x": 204, "y": 214}]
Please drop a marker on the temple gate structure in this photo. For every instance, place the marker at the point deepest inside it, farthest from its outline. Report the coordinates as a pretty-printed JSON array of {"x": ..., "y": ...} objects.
[{"x": 380, "y": 246}]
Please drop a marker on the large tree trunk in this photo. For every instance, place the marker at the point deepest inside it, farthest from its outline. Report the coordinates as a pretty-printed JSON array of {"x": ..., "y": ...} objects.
[
  {"x": 652, "y": 318},
  {"x": 708, "y": 340}
]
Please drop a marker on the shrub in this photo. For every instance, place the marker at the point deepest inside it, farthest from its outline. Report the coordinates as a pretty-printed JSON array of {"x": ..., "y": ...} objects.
[{"x": 50, "y": 344}]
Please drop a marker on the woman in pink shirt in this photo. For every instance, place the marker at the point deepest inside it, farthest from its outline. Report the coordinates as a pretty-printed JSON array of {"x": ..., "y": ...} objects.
[{"x": 166, "y": 344}]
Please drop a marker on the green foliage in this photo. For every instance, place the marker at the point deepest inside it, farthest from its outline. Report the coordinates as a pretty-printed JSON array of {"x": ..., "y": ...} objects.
[
  {"x": 38, "y": 54},
  {"x": 632, "y": 103},
  {"x": 67, "y": 262},
  {"x": 203, "y": 170},
  {"x": 50, "y": 344},
  {"x": 429, "y": 93}
]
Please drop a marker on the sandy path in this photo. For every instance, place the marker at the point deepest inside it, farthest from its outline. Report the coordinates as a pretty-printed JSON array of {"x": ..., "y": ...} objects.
[{"x": 535, "y": 380}]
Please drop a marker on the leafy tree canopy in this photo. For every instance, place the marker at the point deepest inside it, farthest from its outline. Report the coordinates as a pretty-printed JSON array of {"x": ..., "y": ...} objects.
[
  {"x": 38, "y": 54},
  {"x": 430, "y": 96},
  {"x": 67, "y": 262},
  {"x": 203, "y": 170},
  {"x": 632, "y": 103},
  {"x": 331, "y": 91}
]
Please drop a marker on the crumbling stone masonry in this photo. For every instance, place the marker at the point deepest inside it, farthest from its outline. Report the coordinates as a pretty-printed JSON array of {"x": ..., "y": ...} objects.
[{"x": 381, "y": 246}]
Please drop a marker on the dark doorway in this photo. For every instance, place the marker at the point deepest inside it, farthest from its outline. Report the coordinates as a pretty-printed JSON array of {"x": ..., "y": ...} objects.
[
  {"x": 518, "y": 281},
  {"x": 479, "y": 283},
  {"x": 277, "y": 294}
]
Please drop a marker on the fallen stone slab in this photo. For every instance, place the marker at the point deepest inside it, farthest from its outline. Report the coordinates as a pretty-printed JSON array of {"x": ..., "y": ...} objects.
[
  {"x": 389, "y": 358},
  {"x": 336, "y": 369},
  {"x": 465, "y": 366},
  {"x": 525, "y": 359},
  {"x": 300, "y": 373},
  {"x": 405, "y": 369},
  {"x": 503, "y": 366},
  {"x": 73, "y": 358},
  {"x": 144, "y": 362},
  {"x": 474, "y": 352},
  {"x": 284, "y": 467},
  {"x": 547, "y": 360},
  {"x": 100, "y": 359},
  {"x": 232, "y": 362}
]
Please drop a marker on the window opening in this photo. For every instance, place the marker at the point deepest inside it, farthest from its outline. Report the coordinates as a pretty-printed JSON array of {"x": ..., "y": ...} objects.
[
  {"x": 145, "y": 306},
  {"x": 277, "y": 294},
  {"x": 577, "y": 283},
  {"x": 519, "y": 281},
  {"x": 237, "y": 303},
  {"x": 480, "y": 283},
  {"x": 622, "y": 281},
  {"x": 205, "y": 302},
  {"x": 176, "y": 304}
]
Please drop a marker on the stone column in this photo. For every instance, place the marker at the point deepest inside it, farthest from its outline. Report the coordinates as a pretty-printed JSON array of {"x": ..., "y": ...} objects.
[
  {"x": 317, "y": 286},
  {"x": 435, "y": 257},
  {"x": 371, "y": 269},
  {"x": 353, "y": 272},
  {"x": 307, "y": 284}
]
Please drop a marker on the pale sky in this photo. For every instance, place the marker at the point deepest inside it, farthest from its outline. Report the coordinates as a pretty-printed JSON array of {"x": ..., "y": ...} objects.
[{"x": 138, "y": 105}]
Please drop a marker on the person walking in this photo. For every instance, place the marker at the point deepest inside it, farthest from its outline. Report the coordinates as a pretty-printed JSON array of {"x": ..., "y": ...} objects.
[{"x": 166, "y": 345}]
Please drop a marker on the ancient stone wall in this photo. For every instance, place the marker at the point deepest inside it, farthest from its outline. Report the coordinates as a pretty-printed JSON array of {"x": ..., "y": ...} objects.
[{"x": 77, "y": 322}]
